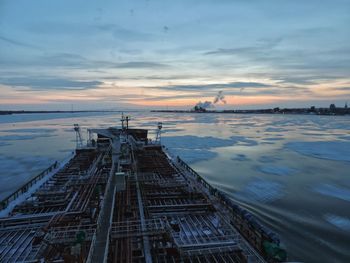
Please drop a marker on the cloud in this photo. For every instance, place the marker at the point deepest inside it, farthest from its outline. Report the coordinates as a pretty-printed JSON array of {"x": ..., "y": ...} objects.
[
  {"x": 80, "y": 28},
  {"x": 207, "y": 48},
  {"x": 141, "y": 64},
  {"x": 262, "y": 45},
  {"x": 77, "y": 61},
  {"x": 342, "y": 88},
  {"x": 248, "y": 85},
  {"x": 170, "y": 97},
  {"x": 123, "y": 33},
  {"x": 230, "y": 89},
  {"x": 49, "y": 83},
  {"x": 214, "y": 87},
  {"x": 231, "y": 51},
  {"x": 285, "y": 55},
  {"x": 301, "y": 80},
  {"x": 70, "y": 60},
  {"x": 17, "y": 43}
]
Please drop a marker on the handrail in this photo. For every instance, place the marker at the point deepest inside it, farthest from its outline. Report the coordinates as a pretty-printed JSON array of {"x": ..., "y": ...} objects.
[
  {"x": 236, "y": 211},
  {"x": 199, "y": 178},
  {"x": 24, "y": 188}
]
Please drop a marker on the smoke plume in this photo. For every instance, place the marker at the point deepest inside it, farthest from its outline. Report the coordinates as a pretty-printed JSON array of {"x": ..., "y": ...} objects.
[
  {"x": 219, "y": 97},
  {"x": 204, "y": 105},
  {"x": 208, "y": 104}
]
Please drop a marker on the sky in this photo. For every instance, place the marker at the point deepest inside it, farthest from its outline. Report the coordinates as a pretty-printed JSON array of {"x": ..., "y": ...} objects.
[{"x": 140, "y": 54}]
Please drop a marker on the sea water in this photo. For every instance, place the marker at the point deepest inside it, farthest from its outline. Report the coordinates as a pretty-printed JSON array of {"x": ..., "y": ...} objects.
[{"x": 291, "y": 171}]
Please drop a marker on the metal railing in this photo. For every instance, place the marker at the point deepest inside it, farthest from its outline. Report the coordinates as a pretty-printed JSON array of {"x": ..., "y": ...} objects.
[
  {"x": 25, "y": 188},
  {"x": 70, "y": 234},
  {"x": 134, "y": 228},
  {"x": 236, "y": 212},
  {"x": 199, "y": 178}
]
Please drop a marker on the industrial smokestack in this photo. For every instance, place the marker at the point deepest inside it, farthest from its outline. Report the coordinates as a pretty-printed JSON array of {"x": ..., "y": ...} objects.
[
  {"x": 205, "y": 105},
  {"x": 202, "y": 106}
]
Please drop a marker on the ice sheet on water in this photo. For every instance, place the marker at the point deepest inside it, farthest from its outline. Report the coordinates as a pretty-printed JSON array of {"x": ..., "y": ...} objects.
[
  {"x": 154, "y": 124},
  {"x": 195, "y": 148},
  {"x": 266, "y": 143},
  {"x": 242, "y": 140},
  {"x": 313, "y": 134},
  {"x": 14, "y": 118},
  {"x": 25, "y": 134},
  {"x": 66, "y": 150},
  {"x": 12, "y": 166},
  {"x": 273, "y": 139},
  {"x": 332, "y": 150},
  {"x": 190, "y": 118},
  {"x": 30, "y": 130},
  {"x": 262, "y": 190},
  {"x": 168, "y": 130},
  {"x": 23, "y": 163},
  {"x": 268, "y": 159},
  {"x": 275, "y": 129},
  {"x": 276, "y": 170},
  {"x": 22, "y": 137},
  {"x": 206, "y": 118},
  {"x": 20, "y": 168},
  {"x": 345, "y": 137},
  {"x": 333, "y": 191},
  {"x": 193, "y": 155},
  {"x": 195, "y": 142},
  {"x": 31, "y": 190},
  {"x": 5, "y": 144},
  {"x": 33, "y": 161},
  {"x": 340, "y": 222},
  {"x": 240, "y": 157}
]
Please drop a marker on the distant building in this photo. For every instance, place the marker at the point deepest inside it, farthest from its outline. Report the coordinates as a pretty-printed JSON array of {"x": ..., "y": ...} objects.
[{"x": 199, "y": 109}]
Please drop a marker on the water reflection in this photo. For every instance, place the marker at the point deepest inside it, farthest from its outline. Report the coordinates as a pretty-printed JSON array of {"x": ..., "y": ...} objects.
[{"x": 290, "y": 171}]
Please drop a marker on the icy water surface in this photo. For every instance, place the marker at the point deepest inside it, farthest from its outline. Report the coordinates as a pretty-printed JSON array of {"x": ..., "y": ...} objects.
[{"x": 292, "y": 172}]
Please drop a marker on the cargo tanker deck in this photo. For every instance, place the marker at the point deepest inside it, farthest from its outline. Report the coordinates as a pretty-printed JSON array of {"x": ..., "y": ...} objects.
[{"x": 124, "y": 198}]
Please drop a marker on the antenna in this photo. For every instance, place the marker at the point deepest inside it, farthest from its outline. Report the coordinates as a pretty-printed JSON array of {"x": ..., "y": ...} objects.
[
  {"x": 122, "y": 120},
  {"x": 158, "y": 138},
  {"x": 78, "y": 137},
  {"x": 125, "y": 129},
  {"x": 127, "y": 118}
]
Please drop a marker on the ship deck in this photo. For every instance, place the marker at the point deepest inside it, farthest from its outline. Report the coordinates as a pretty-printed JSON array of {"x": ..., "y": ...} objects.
[
  {"x": 46, "y": 225},
  {"x": 165, "y": 215},
  {"x": 126, "y": 200}
]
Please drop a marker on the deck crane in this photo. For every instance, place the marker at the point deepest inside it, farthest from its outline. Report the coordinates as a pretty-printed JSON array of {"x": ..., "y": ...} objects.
[
  {"x": 78, "y": 137},
  {"x": 160, "y": 125}
]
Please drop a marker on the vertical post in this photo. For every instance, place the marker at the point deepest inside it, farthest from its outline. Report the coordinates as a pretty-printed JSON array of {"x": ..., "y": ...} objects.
[
  {"x": 122, "y": 120},
  {"x": 127, "y": 125},
  {"x": 127, "y": 122}
]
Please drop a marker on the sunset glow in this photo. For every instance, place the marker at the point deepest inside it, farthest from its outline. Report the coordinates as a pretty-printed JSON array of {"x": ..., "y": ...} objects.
[{"x": 143, "y": 54}]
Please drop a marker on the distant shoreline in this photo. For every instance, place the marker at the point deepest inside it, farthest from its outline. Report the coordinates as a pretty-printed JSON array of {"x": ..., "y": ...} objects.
[
  {"x": 296, "y": 111},
  {"x": 33, "y": 112}
]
